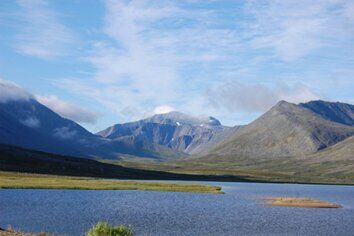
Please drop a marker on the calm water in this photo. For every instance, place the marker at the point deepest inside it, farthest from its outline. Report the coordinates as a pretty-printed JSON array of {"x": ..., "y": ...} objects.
[{"x": 238, "y": 212}]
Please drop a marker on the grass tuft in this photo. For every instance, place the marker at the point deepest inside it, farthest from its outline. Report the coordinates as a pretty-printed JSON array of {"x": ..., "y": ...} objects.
[{"x": 105, "y": 229}]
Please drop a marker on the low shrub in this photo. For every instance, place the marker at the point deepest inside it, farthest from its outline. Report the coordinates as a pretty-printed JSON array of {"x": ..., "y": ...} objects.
[{"x": 105, "y": 229}]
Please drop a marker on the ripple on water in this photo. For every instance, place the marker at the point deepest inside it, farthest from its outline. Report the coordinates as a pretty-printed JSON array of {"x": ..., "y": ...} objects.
[{"x": 72, "y": 212}]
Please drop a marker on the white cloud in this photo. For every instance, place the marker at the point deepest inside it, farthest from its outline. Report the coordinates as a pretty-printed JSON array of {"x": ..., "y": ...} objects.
[
  {"x": 64, "y": 133},
  {"x": 10, "y": 91},
  {"x": 42, "y": 35},
  {"x": 168, "y": 52},
  {"x": 295, "y": 29},
  {"x": 68, "y": 110},
  {"x": 236, "y": 96},
  {"x": 138, "y": 67},
  {"x": 348, "y": 9},
  {"x": 163, "y": 109},
  {"x": 31, "y": 122}
]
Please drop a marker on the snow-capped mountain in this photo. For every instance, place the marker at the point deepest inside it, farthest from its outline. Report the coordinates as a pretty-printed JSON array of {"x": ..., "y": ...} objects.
[{"x": 173, "y": 130}]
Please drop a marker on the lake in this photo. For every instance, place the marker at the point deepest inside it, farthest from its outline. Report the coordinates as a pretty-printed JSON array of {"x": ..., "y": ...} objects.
[{"x": 237, "y": 212}]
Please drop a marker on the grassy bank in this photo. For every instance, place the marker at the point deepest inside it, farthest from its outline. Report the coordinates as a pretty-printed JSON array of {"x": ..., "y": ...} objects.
[{"x": 14, "y": 180}]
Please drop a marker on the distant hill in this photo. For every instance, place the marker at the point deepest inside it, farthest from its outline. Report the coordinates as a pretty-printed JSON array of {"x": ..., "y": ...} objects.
[
  {"x": 174, "y": 131},
  {"x": 285, "y": 130}
]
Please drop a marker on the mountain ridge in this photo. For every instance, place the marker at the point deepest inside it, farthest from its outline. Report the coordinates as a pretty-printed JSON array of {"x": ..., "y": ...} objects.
[
  {"x": 285, "y": 130},
  {"x": 174, "y": 130},
  {"x": 335, "y": 111}
]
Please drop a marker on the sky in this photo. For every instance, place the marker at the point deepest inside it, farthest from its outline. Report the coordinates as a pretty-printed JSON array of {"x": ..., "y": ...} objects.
[{"x": 105, "y": 62}]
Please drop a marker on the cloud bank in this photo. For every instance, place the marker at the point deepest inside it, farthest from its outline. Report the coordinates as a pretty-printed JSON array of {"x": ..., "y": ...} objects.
[
  {"x": 236, "y": 96},
  {"x": 68, "y": 110}
]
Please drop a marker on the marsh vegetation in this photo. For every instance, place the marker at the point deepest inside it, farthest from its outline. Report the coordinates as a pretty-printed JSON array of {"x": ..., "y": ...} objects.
[{"x": 14, "y": 180}]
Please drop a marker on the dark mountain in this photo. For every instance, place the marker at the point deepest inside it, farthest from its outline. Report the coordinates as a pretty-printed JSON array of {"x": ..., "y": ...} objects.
[
  {"x": 285, "y": 130},
  {"x": 334, "y": 111},
  {"x": 29, "y": 124},
  {"x": 175, "y": 131}
]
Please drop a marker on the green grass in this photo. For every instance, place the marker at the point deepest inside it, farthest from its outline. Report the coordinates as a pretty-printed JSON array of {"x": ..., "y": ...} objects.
[
  {"x": 15, "y": 180},
  {"x": 100, "y": 229},
  {"x": 104, "y": 229}
]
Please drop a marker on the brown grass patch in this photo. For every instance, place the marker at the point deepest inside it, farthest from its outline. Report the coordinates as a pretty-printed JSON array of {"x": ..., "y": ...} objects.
[{"x": 299, "y": 202}]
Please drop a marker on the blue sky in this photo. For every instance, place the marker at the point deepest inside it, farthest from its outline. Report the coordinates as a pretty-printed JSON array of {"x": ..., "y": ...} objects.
[{"x": 106, "y": 62}]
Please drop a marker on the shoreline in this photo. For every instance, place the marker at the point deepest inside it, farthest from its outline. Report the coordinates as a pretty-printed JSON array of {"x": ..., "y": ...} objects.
[
  {"x": 185, "y": 177},
  {"x": 13, "y": 180}
]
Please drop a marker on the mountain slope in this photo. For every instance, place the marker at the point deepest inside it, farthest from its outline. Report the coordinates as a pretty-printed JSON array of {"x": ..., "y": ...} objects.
[
  {"x": 29, "y": 124},
  {"x": 285, "y": 130},
  {"x": 343, "y": 150},
  {"x": 334, "y": 111},
  {"x": 334, "y": 164},
  {"x": 175, "y": 131}
]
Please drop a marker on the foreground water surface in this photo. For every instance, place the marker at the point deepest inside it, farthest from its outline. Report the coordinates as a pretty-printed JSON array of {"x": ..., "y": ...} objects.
[{"x": 237, "y": 212}]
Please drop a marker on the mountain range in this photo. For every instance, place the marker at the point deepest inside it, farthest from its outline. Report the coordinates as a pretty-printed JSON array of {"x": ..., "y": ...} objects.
[
  {"x": 314, "y": 137},
  {"x": 286, "y": 130},
  {"x": 174, "y": 130},
  {"x": 29, "y": 124}
]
